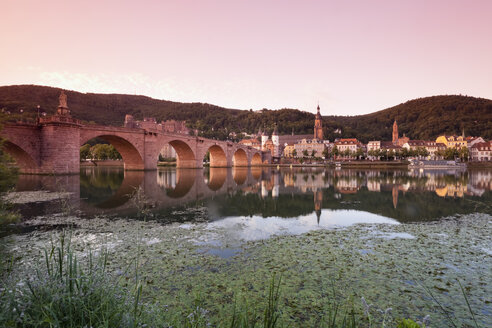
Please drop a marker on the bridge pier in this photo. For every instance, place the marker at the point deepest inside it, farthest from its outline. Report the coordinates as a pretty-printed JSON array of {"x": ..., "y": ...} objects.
[{"x": 60, "y": 151}]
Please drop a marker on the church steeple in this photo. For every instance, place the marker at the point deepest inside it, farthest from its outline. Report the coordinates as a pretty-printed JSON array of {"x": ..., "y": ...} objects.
[
  {"x": 318, "y": 129},
  {"x": 395, "y": 133}
]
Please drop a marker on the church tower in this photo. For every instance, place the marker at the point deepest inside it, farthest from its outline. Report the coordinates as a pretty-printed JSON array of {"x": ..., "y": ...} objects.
[
  {"x": 318, "y": 129},
  {"x": 395, "y": 133}
]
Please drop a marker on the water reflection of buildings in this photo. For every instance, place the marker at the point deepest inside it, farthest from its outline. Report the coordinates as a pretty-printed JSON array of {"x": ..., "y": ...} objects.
[
  {"x": 306, "y": 180},
  {"x": 273, "y": 189},
  {"x": 167, "y": 179},
  {"x": 443, "y": 183}
]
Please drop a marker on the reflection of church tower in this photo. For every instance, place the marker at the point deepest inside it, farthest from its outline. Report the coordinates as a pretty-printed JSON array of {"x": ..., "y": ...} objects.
[
  {"x": 394, "y": 193},
  {"x": 318, "y": 129},
  {"x": 318, "y": 201},
  {"x": 395, "y": 133}
]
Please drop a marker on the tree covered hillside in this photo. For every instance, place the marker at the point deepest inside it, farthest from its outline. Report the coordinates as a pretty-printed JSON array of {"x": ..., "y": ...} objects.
[{"x": 423, "y": 118}]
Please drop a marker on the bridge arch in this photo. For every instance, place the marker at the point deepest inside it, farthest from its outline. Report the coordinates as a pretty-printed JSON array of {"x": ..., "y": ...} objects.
[
  {"x": 180, "y": 184},
  {"x": 185, "y": 158},
  {"x": 25, "y": 161},
  {"x": 218, "y": 156},
  {"x": 132, "y": 159},
  {"x": 256, "y": 159},
  {"x": 215, "y": 178},
  {"x": 240, "y": 175},
  {"x": 240, "y": 158}
]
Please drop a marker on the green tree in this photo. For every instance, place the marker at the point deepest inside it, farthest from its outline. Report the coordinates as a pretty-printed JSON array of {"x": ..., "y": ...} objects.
[
  {"x": 113, "y": 153},
  {"x": 8, "y": 178},
  {"x": 335, "y": 152},
  {"x": 313, "y": 152},
  {"x": 326, "y": 153},
  {"x": 359, "y": 153},
  {"x": 391, "y": 154},
  {"x": 404, "y": 153},
  {"x": 294, "y": 153},
  {"x": 8, "y": 171},
  {"x": 85, "y": 151},
  {"x": 383, "y": 153},
  {"x": 464, "y": 154},
  {"x": 422, "y": 152},
  {"x": 450, "y": 153},
  {"x": 305, "y": 153}
]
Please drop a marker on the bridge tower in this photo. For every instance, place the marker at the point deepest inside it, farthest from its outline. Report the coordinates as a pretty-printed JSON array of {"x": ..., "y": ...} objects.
[{"x": 60, "y": 133}]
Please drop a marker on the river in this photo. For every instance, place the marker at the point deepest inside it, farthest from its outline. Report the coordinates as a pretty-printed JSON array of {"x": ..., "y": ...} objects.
[{"x": 400, "y": 239}]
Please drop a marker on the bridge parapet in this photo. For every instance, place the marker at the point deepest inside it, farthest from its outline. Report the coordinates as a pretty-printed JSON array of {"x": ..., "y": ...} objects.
[{"x": 59, "y": 119}]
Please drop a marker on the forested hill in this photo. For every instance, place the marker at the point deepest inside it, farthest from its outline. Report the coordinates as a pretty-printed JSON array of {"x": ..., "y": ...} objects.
[{"x": 423, "y": 118}]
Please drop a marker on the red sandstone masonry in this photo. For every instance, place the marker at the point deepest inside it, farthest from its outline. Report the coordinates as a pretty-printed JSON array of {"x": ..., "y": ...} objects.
[{"x": 53, "y": 147}]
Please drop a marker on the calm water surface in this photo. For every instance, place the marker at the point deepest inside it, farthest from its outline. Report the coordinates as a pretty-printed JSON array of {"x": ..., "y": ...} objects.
[
  {"x": 311, "y": 196},
  {"x": 389, "y": 236}
]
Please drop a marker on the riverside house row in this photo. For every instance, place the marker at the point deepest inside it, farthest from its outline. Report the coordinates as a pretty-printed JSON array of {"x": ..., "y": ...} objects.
[{"x": 314, "y": 146}]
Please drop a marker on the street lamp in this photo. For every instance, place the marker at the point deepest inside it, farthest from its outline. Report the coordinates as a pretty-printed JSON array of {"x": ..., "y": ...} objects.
[{"x": 37, "y": 120}]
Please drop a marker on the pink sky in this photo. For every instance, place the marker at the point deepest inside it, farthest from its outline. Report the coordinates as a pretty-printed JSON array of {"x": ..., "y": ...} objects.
[{"x": 354, "y": 57}]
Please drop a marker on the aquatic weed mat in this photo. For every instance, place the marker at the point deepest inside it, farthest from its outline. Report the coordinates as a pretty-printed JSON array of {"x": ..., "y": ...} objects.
[{"x": 412, "y": 268}]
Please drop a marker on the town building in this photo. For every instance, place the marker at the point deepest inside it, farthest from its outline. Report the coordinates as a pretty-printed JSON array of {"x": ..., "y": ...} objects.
[
  {"x": 373, "y": 145},
  {"x": 307, "y": 146},
  {"x": 452, "y": 141},
  {"x": 254, "y": 143},
  {"x": 470, "y": 141},
  {"x": 351, "y": 144},
  {"x": 481, "y": 151},
  {"x": 432, "y": 147},
  {"x": 289, "y": 150}
]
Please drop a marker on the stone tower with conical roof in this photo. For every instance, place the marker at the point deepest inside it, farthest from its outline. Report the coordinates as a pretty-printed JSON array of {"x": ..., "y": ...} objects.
[
  {"x": 276, "y": 142},
  {"x": 264, "y": 139},
  {"x": 318, "y": 129}
]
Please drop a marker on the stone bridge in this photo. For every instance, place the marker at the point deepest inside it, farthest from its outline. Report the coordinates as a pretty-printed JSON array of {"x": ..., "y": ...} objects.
[{"x": 52, "y": 146}]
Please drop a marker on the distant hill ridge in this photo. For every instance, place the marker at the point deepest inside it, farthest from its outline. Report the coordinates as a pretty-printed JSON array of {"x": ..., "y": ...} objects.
[{"x": 423, "y": 118}]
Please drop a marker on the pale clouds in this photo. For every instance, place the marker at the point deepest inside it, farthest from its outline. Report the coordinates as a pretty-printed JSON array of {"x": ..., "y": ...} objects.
[
  {"x": 168, "y": 88},
  {"x": 103, "y": 83}
]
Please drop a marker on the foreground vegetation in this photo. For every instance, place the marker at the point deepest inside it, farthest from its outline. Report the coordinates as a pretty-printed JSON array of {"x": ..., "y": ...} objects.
[
  {"x": 321, "y": 280},
  {"x": 65, "y": 291}
]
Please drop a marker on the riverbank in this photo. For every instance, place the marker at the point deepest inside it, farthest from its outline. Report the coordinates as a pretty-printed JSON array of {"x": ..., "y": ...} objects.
[
  {"x": 479, "y": 165},
  {"x": 101, "y": 163}
]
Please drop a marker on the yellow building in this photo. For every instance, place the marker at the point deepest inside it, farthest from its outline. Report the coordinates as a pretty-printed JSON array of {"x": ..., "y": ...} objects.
[
  {"x": 452, "y": 141},
  {"x": 315, "y": 145},
  {"x": 289, "y": 150}
]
